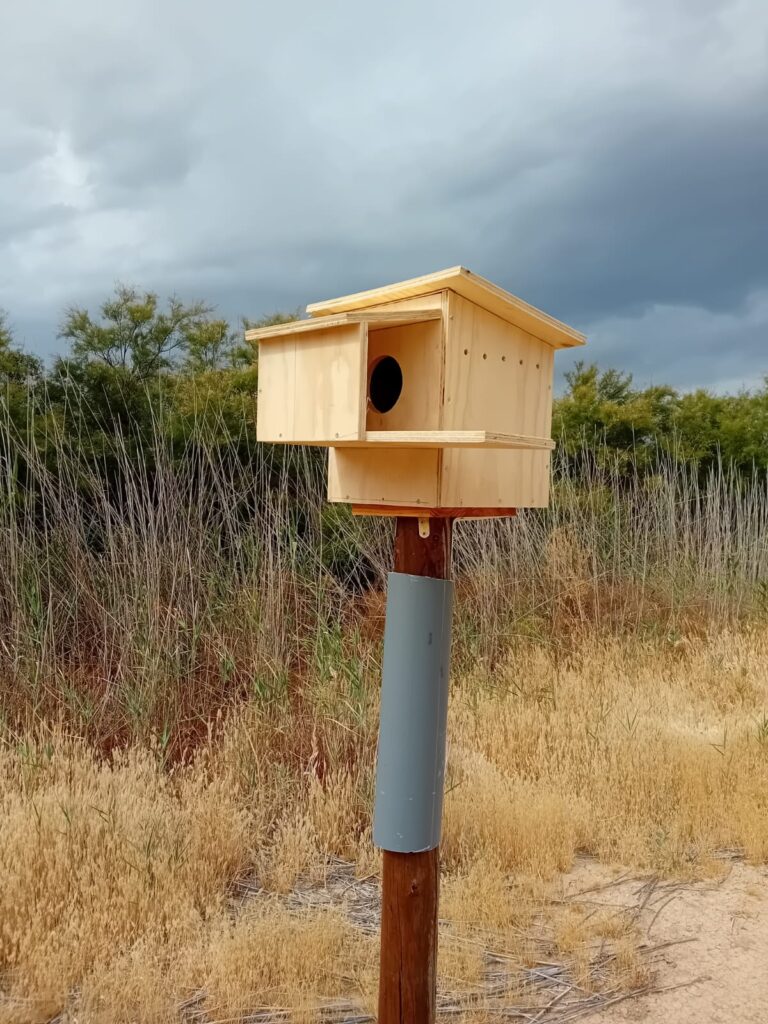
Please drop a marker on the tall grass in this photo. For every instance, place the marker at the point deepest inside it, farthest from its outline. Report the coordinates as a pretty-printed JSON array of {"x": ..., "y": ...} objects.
[
  {"x": 206, "y": 618},
  {"x": 138, "y": 609}
]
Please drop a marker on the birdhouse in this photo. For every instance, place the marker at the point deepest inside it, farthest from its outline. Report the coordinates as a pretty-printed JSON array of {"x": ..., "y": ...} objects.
[{"x": 434, "y": 393}]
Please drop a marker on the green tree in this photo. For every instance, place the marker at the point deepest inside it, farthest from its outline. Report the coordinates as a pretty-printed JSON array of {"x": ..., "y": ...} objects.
[
  {"x": 732, "y": 428},
  {"x": 603, "y": 411},
  {"x": 134, "y": 334},
  {"x": 209, "y": 345},
  {"x": 20, "y": 376},
  {"x": 16, "y": 367}
]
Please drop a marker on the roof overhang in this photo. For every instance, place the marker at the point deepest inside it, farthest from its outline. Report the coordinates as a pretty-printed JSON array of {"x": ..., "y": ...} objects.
[{"x": 470, "y": 286}]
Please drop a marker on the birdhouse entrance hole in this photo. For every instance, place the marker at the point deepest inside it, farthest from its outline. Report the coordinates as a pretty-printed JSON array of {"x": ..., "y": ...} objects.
[
  {"x": 386, "y": 384},
  {"x": 404, "y": 372}
]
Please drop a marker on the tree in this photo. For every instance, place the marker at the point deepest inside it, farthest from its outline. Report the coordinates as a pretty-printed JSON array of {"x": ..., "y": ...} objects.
[
  {"x": 16, "y": 367},
  {"x": 136, "y": 336},
  {"x": 20, "y": 375},
  {"x": 209, "y": 345},
  {"x": 603, "y": 411}
]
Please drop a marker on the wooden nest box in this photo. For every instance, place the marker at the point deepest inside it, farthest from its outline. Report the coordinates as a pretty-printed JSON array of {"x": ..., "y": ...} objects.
[{"x": 432, "y": 394}]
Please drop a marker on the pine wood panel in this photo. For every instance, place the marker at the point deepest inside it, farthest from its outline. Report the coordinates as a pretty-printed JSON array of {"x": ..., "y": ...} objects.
[
  {"x": 311, "y": 390},
  {"x": 388, "y": 476},
  {"x": 276, "y": 391},
  {"x": 414, "y": 303},
  {"x": 418, "y": 349},
  {"x": 446, "y": 439},
  {"x": 505, "y": 479},
  {"x": 473, "y": 287},
  {"x": 375, "y": 318},
  {"x": 432, "y": 513},
  {"x": 497, "y": 375}
]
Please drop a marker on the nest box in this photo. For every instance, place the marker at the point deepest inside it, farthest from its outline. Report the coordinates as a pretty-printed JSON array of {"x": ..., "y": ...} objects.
[{"x": 435, "y": 393}]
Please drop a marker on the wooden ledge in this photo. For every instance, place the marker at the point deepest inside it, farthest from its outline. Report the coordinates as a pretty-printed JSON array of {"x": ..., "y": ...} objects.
[
  {"x": 414, "y": 511},
  {"x": 444, "y": 439}
]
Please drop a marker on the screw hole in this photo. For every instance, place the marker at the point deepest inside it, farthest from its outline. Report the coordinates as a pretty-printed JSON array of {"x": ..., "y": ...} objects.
[
  {"x": 521, "y": 362},
  {"x": 466, "y": 351},
  {"x": 485, "y": 355}
]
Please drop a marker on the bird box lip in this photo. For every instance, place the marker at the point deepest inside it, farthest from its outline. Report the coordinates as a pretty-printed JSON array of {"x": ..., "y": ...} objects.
[{"x": 470, "y": 286}]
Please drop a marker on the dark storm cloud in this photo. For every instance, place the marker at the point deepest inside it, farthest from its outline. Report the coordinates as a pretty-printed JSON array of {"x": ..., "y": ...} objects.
[
  {"x": 669, "y": 206},
  {"x": 607, "y": 161}
]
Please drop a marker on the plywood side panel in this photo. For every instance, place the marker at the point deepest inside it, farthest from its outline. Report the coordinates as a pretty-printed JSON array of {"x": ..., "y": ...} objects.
[
  {"x": 497, "y": 377},
  {"x": 276, "y": 390},
  {"x": 418, "y": 350},
  {"x": 494, "y": 479},
  {"x": 383, "y": 477},
  {"x": 311, "y": 390}
]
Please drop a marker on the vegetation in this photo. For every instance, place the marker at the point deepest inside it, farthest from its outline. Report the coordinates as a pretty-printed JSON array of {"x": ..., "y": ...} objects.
[
  {"x": 647, "y": 425},
  {"x": 189, "y": 663},
  {"x": 140, "y": 363}
]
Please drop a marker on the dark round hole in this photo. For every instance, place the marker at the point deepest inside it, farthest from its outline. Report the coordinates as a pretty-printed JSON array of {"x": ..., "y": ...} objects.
[{"x": 386, "y": 384}]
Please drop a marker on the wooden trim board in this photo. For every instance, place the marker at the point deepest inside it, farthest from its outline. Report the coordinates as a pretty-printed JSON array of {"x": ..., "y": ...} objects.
[
  {"x": 471, "y": 286},
  {"x": 374, "y": 319},
  {"x": 426, "y": 439},
  {"x": 450, "y": 439},
  {"x": 433, "y": 513}
]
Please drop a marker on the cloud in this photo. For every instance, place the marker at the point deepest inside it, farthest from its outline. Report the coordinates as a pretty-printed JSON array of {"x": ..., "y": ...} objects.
[
  {"x": 607, "y": 161},
  {"x": 685, "y": 346}
]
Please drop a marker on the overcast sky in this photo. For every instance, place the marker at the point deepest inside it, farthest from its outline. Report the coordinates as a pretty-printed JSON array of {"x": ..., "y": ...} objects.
[{"x": 606, "y": 160}]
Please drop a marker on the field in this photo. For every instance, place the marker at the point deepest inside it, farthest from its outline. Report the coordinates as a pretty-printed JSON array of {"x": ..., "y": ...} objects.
[{"x": 189, "y": 685}]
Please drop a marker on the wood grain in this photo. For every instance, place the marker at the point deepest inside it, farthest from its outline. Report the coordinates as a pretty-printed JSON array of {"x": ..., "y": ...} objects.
[
  {"x": 433, "y": 513},
  {"x": 498, "y": 376},
  {"x": 408, "y": 961},
  {"x": 471, "y": 286},
  {"x": 418, "y": 351},
  {"x": 449, "y": 439},
  {"x": 390, "y": 476},
  {"x": 312, "y": 391},
  {"x": 376, "y": 318}
]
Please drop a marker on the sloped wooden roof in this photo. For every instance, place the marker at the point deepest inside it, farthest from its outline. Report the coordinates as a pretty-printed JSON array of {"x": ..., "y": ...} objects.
[{"x": 471, "y": 286}]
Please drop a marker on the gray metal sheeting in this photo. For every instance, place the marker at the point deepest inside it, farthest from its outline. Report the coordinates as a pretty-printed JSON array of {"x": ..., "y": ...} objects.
[{"x": 410, "y": 771}]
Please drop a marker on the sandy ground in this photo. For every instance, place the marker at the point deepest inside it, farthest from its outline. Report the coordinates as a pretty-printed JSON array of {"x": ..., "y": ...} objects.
[{"x": 719, "y": 974}]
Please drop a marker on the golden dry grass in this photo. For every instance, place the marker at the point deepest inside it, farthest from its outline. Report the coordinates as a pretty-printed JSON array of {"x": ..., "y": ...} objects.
[{"x": 117, "y": 903}]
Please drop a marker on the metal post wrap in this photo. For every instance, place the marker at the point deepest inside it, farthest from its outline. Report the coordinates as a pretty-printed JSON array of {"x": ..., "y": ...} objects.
[{"x": 410, "y": 772}]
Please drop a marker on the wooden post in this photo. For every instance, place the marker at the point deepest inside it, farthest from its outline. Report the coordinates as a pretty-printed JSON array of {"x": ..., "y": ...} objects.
[{"x": 411, "y": 881}]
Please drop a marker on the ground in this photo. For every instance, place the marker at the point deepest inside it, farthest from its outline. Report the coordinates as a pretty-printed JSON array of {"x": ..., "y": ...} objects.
[{"x": 715, "y": 972}]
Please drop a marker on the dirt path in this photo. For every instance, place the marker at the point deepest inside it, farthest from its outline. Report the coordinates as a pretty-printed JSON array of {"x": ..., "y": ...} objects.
[{"x": 723, "y": 965}]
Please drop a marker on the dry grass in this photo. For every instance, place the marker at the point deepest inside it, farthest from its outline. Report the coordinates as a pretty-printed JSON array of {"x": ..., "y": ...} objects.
[
  {"x": 188, "y": 711},
  {"x": 649, "y": 753},
  {"x": 137, "y": 602},
  {"x": 117, "y": 902}
]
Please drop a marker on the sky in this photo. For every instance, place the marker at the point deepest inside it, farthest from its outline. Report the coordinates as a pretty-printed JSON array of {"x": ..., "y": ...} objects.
[{"x": 605, "y": 160}]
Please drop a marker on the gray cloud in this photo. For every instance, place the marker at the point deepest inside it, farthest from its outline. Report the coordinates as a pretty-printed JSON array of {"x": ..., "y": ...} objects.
[{"x": 607, "y": 161}]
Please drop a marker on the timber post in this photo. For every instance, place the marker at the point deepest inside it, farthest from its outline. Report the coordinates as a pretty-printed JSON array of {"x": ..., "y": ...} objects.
[{"x": 408, "y": 814}]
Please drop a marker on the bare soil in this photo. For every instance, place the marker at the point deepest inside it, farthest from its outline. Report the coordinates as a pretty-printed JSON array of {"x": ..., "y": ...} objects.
[{"x": 717, "y": 970}]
